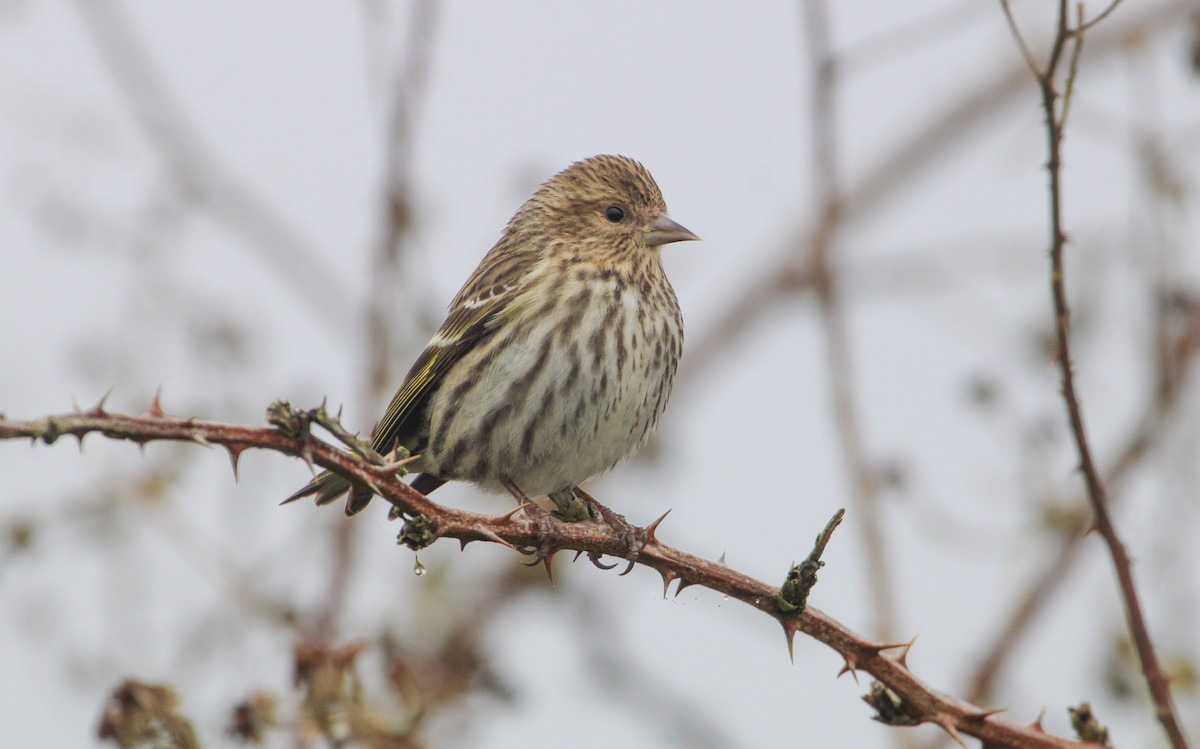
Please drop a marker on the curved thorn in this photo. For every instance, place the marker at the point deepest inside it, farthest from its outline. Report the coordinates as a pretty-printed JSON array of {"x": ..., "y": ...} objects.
[
  {"x": 98, "y": 409},
  {"x": 156, "y": 404},
  {"x": 235, "y": 452},
  {"x": 849, "y": 667},
  {"x": 902, "y": 659},
  {"x": 983, "y": 714},
  {"x": 650, "y": 529},
  {"x": 1037, "y": 724},
  {"x": 668, "y": 577},
  {"x": 879, "y": 647},
  {"x": 491, "y": 536},
  {"x": 789, "y": 631},
  {"x": 504, "y": 517},
  {"x": 305, "y": 452},
  {"x": 948, "y": 726}
]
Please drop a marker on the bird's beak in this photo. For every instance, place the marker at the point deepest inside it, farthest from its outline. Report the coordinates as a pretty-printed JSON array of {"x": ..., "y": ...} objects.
[{"x": 664, "y": 231}]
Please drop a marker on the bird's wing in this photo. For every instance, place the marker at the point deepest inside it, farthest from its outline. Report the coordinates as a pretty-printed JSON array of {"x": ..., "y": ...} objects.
[
  {"x": 500, "y": 288},
  {"x": 467, "y": 324}
]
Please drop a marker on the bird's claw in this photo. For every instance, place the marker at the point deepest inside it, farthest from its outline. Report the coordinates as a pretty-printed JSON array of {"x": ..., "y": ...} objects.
[
  {"x": 547, "y": 534},
  {"x": 594, "y": 557},
  {"x": 574, "y": 506},
  {"x": 633, "y": 539}
]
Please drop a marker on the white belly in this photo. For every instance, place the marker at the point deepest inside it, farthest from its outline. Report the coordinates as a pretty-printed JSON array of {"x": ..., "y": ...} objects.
[{"x": 549, "y": 417}]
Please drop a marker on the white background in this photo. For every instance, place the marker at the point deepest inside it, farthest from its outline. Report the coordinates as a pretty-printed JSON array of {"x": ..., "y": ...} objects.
[{"x": 114, "y": 274}]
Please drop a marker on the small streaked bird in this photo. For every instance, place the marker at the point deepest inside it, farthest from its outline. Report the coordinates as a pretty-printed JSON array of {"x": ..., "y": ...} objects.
[{"x": 557, "y": 356}]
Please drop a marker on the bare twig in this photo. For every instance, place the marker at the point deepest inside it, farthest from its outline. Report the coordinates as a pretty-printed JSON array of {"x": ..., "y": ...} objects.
[
  {"x": 1083, "y": 26},
  {"x": 1026, "y": 53},
  {"x": 793, "y": 594},
  {"x": 919, "y": 702},
  {"x": 1055, "y": 109},
  {"x": 1176, "y": 361},
  {"x": 791, "y": 274}
]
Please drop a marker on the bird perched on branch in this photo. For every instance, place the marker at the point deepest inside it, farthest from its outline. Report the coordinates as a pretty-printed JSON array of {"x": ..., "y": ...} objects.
[{"x": 557, "y": 356}]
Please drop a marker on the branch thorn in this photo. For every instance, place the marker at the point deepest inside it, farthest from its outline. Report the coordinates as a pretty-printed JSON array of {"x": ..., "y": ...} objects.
[
  {"x": 491, "y": 536},
  {"x": 790, "y": 627},
  {"x": 650, "y": 529},
  {"x": 235, "y": 452},
  {"x": 849, "y": 667},
  {"x": 668, "y": 576},
  {"x": 948, "y": 726},
  {"x": 1036, "y": 723},
  {"x": 98, "y": 409},
  {"x": 904, "y": 647},
  {"x": 156, "y": 404},
  {"x": 983, "y": 714},
  {"x": 683, "y": 583},
  {"x": 546, "y": 559}
]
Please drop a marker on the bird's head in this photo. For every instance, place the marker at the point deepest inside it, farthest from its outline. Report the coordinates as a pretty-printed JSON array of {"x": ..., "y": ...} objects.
[{"x": 610, "y": 198}]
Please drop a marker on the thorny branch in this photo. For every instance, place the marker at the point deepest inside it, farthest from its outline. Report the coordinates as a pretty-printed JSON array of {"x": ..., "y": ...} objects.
[
  {"x": 908, "y": 697},
  {"x": 1067, "y": 42}
]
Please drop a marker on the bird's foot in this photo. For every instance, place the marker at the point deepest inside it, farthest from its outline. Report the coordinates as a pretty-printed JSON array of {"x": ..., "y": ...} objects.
[
  {"x": 547, "y": 533},
  {"x": 632, "y": 538}
]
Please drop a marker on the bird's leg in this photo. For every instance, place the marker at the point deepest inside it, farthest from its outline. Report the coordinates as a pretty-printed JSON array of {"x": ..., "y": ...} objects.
[
  {"x": 545, "y": 524},
  {"x": 633, "y": 537},
  {"x": 570, "y": 508},
  {"x": 518, "y": 495}
]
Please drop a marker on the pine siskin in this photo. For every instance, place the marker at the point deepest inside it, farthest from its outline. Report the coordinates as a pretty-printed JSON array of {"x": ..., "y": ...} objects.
[{"x": 558, "y": 354}]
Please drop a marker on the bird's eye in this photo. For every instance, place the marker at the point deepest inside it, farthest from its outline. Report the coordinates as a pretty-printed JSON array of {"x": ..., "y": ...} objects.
[{"x": 614, "y": 213}]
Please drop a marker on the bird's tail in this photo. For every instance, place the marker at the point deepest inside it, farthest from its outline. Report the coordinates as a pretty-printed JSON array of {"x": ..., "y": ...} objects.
[{"x": 328, "y": 486}]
